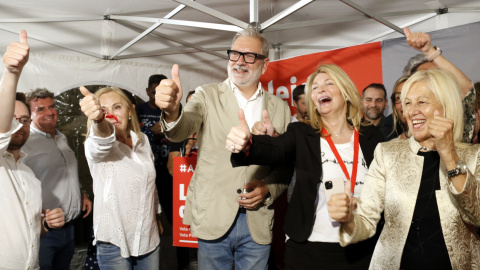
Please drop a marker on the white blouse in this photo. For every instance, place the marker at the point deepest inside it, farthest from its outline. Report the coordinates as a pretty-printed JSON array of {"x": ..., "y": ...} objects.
[{"x": 126, "y": 199}]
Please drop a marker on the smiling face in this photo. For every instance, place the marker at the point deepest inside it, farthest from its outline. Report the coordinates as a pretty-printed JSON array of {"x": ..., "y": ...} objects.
[
  {"x": 21, "y": 136},
  {"x": 114, "y": 104},
  {"x": 44, "y": 114},
  {"x": 241, "y": 73},
  {"x": 420, "y": 105},
  {"x": 373, "y": 103},
  {"x": 326, "y": 96}
]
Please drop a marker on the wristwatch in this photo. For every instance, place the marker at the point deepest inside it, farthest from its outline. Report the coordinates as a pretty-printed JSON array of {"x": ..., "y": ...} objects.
[
  {"x": 434, "y": 55},
  {"x": 460, "y": 169}
]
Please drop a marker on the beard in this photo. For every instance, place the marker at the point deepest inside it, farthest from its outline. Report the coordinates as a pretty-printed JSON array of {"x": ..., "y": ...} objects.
[
  {"x": 251, "y": 77},
  {"x": 373, "y": 114},
  {"x": 18, "y": 140}
]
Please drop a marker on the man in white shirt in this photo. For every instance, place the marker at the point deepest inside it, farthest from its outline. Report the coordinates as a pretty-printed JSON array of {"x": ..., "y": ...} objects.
[
  {"x": 214, "y": 207},
  {"x": 55, "y": 165},
  {"x": 20, "y": 195}
]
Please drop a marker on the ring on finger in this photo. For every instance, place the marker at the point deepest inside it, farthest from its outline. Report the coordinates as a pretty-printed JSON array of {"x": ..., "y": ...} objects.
[{"x": 232, "y": 147}]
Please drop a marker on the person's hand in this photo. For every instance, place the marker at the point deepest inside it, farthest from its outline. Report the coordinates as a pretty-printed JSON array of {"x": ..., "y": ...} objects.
[
  {"x": 238, "y": 138},
  {"x": 16, "y": 55},
  {"x": 55, "y": 218},
  {"x": 157, "y": 129},
  {"x": 419, "y": 41},
  {"x": 264, "y": 127},
  {"x": 441, "y": 129},
  {"x": 169, "y": 94},
  {"x": 86, "y": 205},
  {"x": 341, "y": 206},
  {"x": 90, "y": 105},
  {"x": 160, "y": 226},
  {"x": 254, "y": 198}
]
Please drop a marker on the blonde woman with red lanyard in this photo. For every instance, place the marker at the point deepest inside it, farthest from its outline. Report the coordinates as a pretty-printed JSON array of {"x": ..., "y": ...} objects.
[{"x": 333, "y": 144}]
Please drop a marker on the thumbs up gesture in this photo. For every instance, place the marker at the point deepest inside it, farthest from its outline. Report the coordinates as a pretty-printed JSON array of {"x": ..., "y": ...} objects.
[
  {"x": 90, "y": 105},
  {"x": 265, "y": 127},
  {"x": 238, "y": 139},
  {"x": 169, "y": 94},
  {"x": 418, "y": 41},
  {"x": 16, "y": 55},
  {"x": 342, "y": 205}
]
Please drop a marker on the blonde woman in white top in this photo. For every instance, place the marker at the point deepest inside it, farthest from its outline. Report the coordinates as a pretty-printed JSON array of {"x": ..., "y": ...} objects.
[{"x": 126, "y": 201}]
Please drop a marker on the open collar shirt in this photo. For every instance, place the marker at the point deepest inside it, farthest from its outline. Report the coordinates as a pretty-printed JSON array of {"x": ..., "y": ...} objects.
[
  {"x": 55, "y": 165},
  {"x": 21, "y": 206},
  {"x": 251, "y": 107},
  {"x": 126, "y": 199}
]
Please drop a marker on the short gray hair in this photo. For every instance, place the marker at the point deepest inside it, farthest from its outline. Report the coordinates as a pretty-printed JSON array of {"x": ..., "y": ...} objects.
[
  {"x": 38, "y": 93},
  {"x": 413, "y": 63},
  {"x": 250, "y": 32}
]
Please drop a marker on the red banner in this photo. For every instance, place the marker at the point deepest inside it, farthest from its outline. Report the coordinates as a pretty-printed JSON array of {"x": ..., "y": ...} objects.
[
  {"x": 183, "y": 168},
  {"x": 362, "y": 63}
]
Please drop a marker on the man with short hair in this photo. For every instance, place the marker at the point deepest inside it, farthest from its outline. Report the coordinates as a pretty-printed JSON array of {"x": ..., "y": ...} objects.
[
  {"x": 374, "y": 103},
  {"x": 299, "y": 103},
  {"x": 20, "y": 193},
  {"x": 216, "y": 208},
  {"x": 55, "y": 165}
]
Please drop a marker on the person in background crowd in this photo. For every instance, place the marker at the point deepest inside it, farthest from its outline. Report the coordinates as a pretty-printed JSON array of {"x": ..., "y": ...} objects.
[
  {"x": 127, "y": 233},
  {"x": 21, "y": 219},
  {"x": 433, "y": 58},
  {"x": 332, "y": 144},
  {"x": 298, "y": 96},
  {"x": 214, "y": 208},
  {"x": 149, "y": 116},
  {"x": 55, "y": 165},
  {"x": 374, "y": 103},
  {"x": 395, "y": 123},
  {"x": 427, "y": 186}
]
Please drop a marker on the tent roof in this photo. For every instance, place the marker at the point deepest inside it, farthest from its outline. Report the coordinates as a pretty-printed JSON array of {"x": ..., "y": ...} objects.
[{"x": 198, "y": 32}]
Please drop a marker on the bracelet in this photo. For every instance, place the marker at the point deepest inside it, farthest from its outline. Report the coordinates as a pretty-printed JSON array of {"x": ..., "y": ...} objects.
[
  {"x": 434, "y": 55},
  {"x": 45, "y": 225}
]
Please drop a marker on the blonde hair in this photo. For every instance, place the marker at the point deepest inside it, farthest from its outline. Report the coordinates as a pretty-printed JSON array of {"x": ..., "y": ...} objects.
[
  {"x": 132, "y": 122},
  {"x": 446, "y": 89},
  {"x": 349, "y": 92},
  {"x": 396, "y": 117}
]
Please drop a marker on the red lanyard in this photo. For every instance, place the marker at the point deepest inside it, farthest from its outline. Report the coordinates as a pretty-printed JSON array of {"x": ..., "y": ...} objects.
[{"x": 339, "y": 159}]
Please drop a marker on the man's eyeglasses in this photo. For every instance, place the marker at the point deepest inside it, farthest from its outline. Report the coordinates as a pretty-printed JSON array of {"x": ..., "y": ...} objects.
[
  {"x": 248, "y": 57},
  {"x": 23, "y": 120}
]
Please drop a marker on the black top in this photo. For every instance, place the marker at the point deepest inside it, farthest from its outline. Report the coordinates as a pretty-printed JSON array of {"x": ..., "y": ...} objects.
[
  {"x": 425, "y": 247},
  {"x": 300, "y": 145}
]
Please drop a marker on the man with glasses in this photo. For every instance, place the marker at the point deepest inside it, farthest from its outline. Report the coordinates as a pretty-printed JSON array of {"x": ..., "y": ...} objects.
[
  {"x": 55, "y": 165},
  {"x": 20, "y": 193},
  {"x": 233, "y": 221}
]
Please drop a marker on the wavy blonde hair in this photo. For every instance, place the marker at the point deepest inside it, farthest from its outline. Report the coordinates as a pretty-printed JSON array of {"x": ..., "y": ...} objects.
[
  {"x": 349, "y": 92},
  {"x": 132, "y": 122}
]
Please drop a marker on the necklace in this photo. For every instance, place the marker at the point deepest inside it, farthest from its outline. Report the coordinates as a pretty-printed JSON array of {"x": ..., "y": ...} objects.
[{"x": 427, "y": 149}]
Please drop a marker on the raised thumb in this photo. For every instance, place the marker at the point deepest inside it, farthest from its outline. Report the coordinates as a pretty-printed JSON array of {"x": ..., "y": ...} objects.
[
  {"x": 243, "y": 122},
  {"x": 84, "y": 91},
  {"x": 266, "y": 118},
  {"x": 348, "y": 188},
  {"x": 23, "y": 36},
  {"x": 176, "y": 76}
]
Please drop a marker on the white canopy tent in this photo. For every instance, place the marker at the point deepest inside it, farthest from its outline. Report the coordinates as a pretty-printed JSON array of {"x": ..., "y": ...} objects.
[{"x": 123, "y": 42}]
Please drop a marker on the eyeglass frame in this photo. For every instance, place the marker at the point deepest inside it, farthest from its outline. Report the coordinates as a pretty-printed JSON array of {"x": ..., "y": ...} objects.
[
  {"x": 24, "y": 124},
  {"x": 257, "y": 56}
]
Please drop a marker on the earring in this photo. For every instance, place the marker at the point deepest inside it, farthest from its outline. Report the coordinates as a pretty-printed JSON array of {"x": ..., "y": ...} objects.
[{"x": 130, "y": 117}]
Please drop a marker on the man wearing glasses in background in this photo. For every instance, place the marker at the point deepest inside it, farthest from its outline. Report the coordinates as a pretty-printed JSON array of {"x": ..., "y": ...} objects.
[{"x": 214, "y": 208}]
